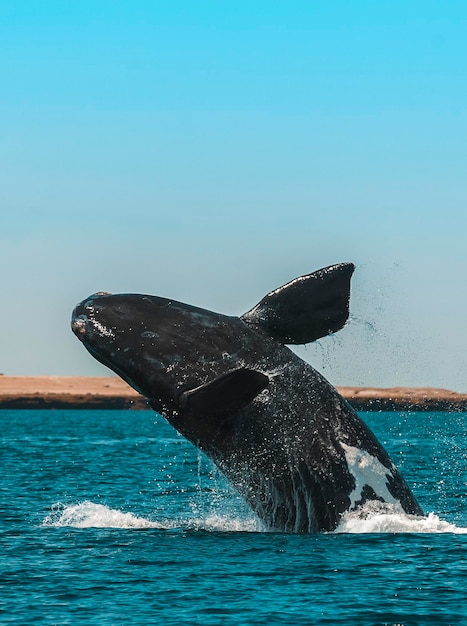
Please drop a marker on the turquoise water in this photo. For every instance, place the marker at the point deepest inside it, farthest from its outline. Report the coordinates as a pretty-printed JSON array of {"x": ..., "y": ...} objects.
[{"x": 110, "y": 517}]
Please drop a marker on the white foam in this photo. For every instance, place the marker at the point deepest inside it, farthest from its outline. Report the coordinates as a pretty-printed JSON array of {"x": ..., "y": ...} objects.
[
  {"x": 380, "y": 517},
  {"x": 372, "y": 517},
  {"x": 91, "y": 515},
  {"x": 367, "y": 470}
]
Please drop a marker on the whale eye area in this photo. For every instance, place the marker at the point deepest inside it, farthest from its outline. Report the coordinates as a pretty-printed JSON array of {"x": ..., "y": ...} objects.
[{"x": 149, "y": 334}]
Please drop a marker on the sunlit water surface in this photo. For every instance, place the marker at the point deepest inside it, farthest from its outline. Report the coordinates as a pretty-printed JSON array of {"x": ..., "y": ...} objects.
[{"x": 111, "y": 517}]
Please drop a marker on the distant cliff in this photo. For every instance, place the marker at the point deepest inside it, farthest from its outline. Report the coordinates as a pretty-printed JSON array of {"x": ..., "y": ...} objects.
[{"x": 83, "y": 392}]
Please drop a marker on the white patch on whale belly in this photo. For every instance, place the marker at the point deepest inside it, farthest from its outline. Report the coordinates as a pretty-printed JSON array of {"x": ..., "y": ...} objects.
[{"x": 367, "y": 470}]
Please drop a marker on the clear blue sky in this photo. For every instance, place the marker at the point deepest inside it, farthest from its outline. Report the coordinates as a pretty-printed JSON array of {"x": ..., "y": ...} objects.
[{"x": 210, "y": 151}]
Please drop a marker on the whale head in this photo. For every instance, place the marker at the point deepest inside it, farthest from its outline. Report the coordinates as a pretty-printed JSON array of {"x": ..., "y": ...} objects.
[
  {"x": 194, "y": 363},
  {"x": 166, "y": 350}
]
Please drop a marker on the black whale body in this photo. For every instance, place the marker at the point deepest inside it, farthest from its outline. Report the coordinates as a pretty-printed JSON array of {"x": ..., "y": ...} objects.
[{"x": 283, "y": 436}]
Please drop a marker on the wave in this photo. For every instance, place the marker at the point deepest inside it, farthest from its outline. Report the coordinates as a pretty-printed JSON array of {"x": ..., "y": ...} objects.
[{"x": 371, "y": 518}]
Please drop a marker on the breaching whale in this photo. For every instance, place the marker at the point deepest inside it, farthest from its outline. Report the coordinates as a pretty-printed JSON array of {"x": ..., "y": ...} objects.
[{"x": 278, "y": 430}]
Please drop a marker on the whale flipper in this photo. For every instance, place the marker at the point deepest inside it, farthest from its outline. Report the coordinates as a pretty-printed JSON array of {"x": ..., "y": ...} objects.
[
  {"x": 306, "y": 308},
  {"x": 226, "y": 394}
]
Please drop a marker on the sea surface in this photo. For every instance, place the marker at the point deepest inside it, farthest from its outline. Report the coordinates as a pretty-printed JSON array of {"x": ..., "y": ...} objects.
[{"x": 111, "y": 517}]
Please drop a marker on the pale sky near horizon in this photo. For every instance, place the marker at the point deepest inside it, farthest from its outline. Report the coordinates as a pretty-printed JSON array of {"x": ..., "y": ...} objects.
[{"x": 211, "y": 151}]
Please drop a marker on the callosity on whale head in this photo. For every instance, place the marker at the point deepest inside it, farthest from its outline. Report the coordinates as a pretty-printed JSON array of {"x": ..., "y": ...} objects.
[{"x": 279, "y": 431}]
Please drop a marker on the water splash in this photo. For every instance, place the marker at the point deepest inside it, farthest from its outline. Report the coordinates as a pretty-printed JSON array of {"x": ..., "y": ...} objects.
[
  {"x": 226, "y": 524},
  {"x": 216, "y": 506},
  {"x": 381, "y": 517},
  {"x": 373, "y": 517},
  {"x": 92, "y": 515}
]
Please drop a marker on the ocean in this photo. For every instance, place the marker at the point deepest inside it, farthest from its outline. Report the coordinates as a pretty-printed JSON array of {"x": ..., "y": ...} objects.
[{"x": 111, "y": 517}]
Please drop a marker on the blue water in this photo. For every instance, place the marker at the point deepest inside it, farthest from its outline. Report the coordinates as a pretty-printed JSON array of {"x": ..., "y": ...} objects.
[{"x": 110, "y": 517}]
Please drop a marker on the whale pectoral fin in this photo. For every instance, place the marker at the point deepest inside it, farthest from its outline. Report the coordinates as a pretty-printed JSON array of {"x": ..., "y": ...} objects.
[
  {"x": 226, "y": 394},
  {"x": 307, "y": 308}
]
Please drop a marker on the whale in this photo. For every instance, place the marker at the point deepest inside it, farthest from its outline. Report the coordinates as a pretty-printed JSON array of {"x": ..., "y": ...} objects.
[{"x": 283, "y": 436}]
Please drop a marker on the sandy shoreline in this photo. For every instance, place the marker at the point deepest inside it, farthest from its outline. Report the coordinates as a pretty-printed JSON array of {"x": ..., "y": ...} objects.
[
  {"x": 73, "y": 392},
  {"x": 42, "y": 392}
]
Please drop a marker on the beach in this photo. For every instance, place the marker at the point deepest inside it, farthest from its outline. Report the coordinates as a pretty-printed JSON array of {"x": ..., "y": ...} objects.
[
  {"x": 68, "y": 392},
  {"x": 110, "y": 392}
]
